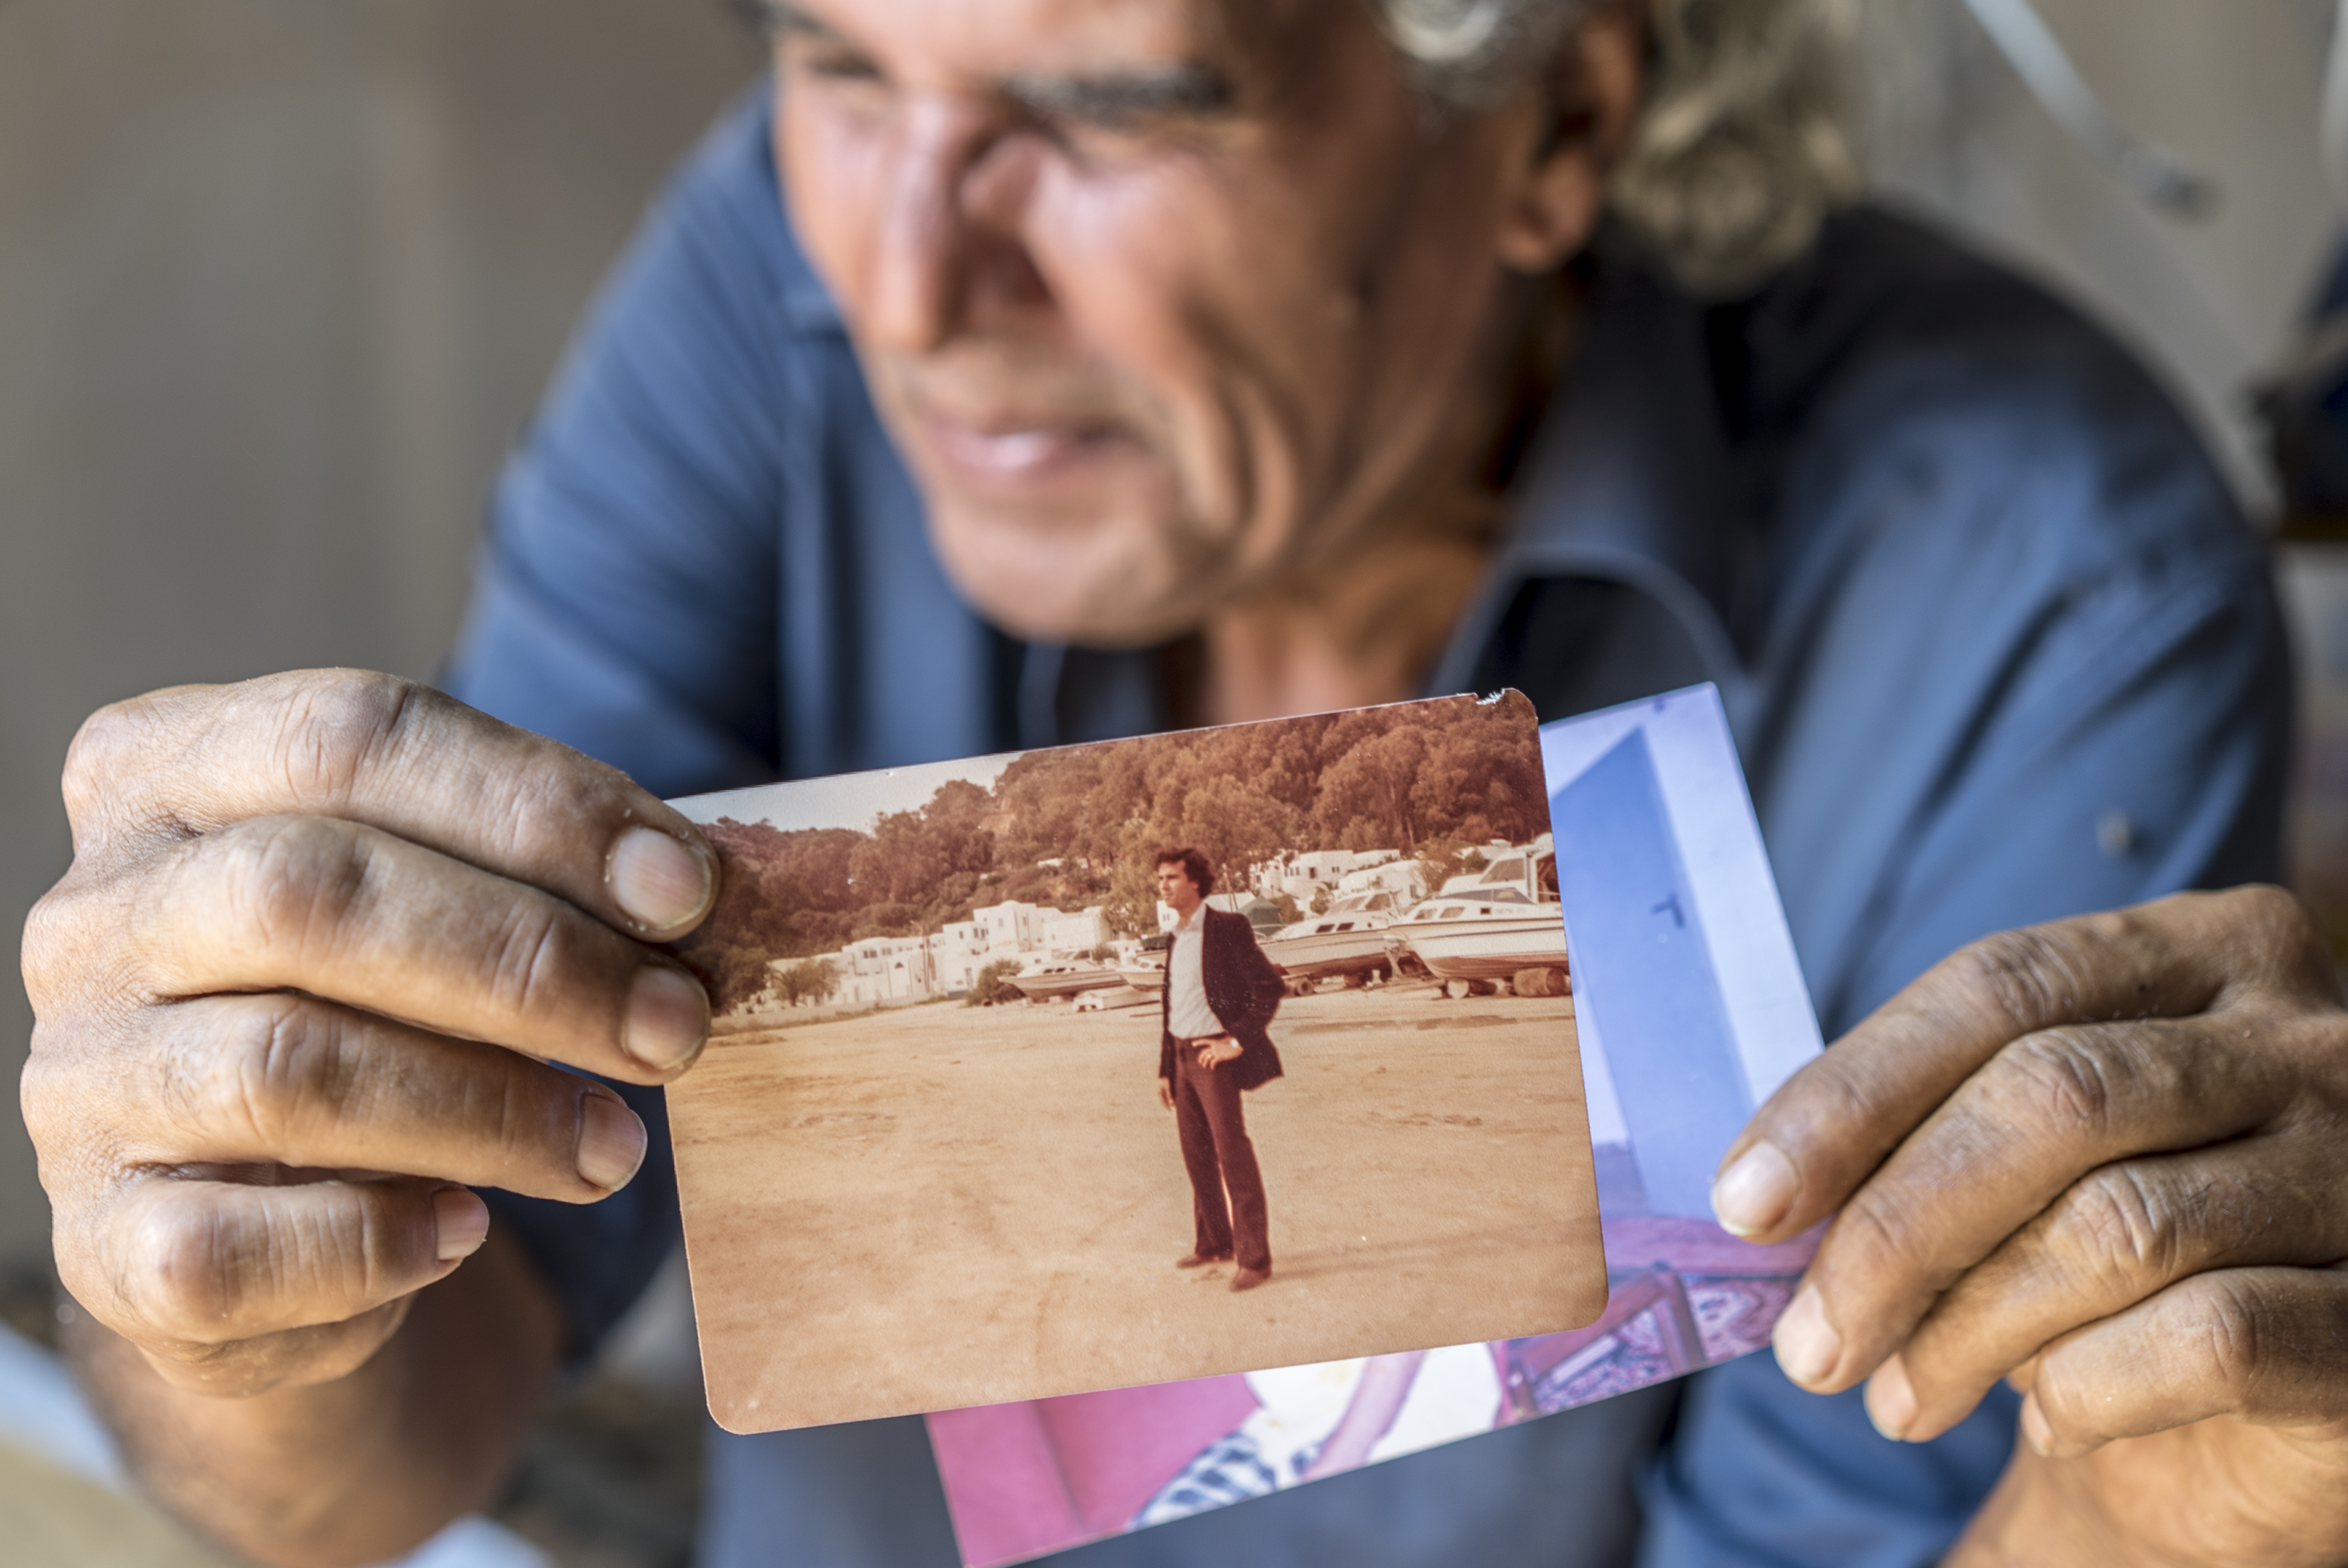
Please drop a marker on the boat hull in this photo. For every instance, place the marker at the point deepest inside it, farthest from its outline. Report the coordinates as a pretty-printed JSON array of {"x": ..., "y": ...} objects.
[
  {"x": 1486, "y": 950},
  {"x": 1330, "y": 953},
  {"x": 1048, "y": 988}
]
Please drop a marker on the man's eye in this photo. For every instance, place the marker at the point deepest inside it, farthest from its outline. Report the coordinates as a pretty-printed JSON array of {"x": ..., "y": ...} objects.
[{"x": 832, "y": 63}]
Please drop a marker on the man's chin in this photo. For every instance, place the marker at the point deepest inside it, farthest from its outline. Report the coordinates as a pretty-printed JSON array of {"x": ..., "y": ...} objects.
[{"x": 1069, "y": 588}]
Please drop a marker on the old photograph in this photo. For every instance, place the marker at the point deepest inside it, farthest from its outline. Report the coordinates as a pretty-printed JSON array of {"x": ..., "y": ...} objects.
[
  {"x": 1690, "y": 1008},
  {"x": 1144, "y": 1061}
]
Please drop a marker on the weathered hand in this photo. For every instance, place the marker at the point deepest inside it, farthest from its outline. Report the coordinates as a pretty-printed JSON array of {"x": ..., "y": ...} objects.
[
  {"x": 2103, "y": 1157},
  {"x": 322, "y": 937}
]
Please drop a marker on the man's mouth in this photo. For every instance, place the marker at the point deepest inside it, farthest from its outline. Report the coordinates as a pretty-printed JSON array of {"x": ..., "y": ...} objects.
[{"x": 1013, "y": 451}]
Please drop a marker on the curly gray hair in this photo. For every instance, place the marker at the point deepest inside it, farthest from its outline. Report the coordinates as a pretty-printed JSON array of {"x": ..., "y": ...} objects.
[{"x": 1742, "y": 147}]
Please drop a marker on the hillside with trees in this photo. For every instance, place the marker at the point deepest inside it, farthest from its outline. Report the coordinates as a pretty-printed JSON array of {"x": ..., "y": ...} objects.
[{"x": 1078, "y": 825}]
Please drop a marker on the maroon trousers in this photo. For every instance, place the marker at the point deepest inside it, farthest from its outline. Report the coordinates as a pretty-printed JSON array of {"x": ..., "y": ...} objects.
[{"x": 1226, "y": 1187}]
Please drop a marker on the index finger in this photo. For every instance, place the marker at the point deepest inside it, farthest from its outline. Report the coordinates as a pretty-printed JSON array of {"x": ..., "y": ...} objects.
[
  {"x": 399, "y": 756},
  {"x": 1833, "y": 1124}
]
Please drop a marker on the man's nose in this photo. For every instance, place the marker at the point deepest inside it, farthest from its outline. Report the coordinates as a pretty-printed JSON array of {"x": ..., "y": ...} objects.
[{"x": 933, "y": 247}]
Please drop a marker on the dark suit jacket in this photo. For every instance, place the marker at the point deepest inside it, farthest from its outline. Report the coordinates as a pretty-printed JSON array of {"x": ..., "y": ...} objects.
[{"x": 1243, "y": 989}]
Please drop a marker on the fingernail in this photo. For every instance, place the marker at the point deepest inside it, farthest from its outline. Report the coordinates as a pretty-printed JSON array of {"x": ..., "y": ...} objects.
[
  {"x": 610, "y": 1142},
  {"x": 2034, "y": 1429},
  {"x": 1753, "y": 1194},
  {"x": 1808, "y": 1347},
  {"x": 668, "y": 1017},
  {"x": 659, "y": 881},
  {"x": 463, "y": 1221},
  {"x": 1891, "y": 1400}
]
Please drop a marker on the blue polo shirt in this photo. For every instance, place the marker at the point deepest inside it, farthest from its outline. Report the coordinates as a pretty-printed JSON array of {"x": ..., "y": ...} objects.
[{"x": 1995, "y": 644}]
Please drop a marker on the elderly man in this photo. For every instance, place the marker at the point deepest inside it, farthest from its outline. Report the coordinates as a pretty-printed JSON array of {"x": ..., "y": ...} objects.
[{"x": 1022, "y": 371}]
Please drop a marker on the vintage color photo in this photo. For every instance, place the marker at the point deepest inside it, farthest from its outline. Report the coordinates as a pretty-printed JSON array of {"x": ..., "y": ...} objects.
[
  {"x": 1692, "y": 1010},
  {"x": 1133, "y": 1062}
]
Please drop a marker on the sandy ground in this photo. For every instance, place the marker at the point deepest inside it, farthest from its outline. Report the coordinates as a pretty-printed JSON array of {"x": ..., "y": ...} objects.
[{"x": 944, "y": 1206}]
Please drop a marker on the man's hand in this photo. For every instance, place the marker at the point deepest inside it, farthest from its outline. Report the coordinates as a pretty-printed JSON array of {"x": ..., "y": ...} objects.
[
  {"x": 323, "y": 938},
  {"x": 2103, "y": 1158},
  {"x": 1166, "y": 1093}
]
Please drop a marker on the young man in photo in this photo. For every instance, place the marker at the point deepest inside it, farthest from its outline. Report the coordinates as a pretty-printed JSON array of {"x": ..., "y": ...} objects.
[
  {"x": 1220, "y": 992},
  {"x": 1021, "y": 372}
]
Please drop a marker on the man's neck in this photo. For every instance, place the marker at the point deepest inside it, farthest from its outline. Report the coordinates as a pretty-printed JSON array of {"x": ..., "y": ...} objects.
[
  {"x": 1367, "y": 622},
  {"x": 1366, "y": 636}
]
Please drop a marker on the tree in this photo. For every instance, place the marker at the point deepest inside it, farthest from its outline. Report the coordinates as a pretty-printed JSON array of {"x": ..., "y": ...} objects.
[
  {"x": 1365, "y": 800},
  {"x": 993, "y": 985},
  {"x": 814, "y": 981},
  {"x": 1428, "y": 779}
]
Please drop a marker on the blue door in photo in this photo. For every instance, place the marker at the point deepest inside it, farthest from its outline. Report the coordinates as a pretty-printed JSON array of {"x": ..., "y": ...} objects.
[{"x": 1643, "y": 972}]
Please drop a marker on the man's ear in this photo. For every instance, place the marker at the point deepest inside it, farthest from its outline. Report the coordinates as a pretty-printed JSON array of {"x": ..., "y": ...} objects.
[{"x": 1576, "y": 123}]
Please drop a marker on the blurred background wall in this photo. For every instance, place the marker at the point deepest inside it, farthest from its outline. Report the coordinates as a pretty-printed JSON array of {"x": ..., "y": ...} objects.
[
  {"x": 280, "y": 279},
  {"x": 279, "y": 282}
]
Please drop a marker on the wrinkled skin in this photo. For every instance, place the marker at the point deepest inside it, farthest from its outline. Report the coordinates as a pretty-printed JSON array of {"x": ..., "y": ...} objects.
[
  {"x": 324, "y": 939},
  {"x": 2104, "y": 1159},
  {"x": 1192, "y": 318}
]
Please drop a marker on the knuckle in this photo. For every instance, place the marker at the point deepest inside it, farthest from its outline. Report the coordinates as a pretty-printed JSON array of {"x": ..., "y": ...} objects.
[
  {"x": 2287, "y": 945},
  {"x": 281, "y": 1072},
  {"x": 2228, "y": 1340},
  {"x": 334, "y": 726},
  {"x": 1874, "y": 1230},
  {"x": 56, "y": 935},
  {"x": 2027, "y": 977},
  {"x": 52, "y": 1094},
  {"x": 117, "y": 739},
  {"x": 2120, "y": 1231},
  {"x": 187, "y": 1272},
  {"x": 283, "y": 881},
  {"x": 2064, "y": 1077},
  {"x": 530, "y": 964},
  {"x": 2067, "y": 1400},
  {"x": 2280, "y": 922}
]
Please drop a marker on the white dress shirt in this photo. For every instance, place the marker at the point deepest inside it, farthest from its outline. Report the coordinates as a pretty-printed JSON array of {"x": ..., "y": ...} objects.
[{"x": 1188, "y": 1016}]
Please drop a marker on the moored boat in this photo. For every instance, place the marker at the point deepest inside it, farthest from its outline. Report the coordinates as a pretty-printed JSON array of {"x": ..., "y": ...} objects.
[
  {"x": 1349, "y": 939},
  {"x": 1493, "y": 926},
  {"x": 1145, "y": 970},
  {"x": 1493, "y": 937},
  {"x": 1051, "y": 979}
]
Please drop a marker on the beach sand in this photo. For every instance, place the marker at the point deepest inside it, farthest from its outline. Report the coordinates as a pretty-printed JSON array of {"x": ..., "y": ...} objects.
[{"x": 942, "y": 1206}]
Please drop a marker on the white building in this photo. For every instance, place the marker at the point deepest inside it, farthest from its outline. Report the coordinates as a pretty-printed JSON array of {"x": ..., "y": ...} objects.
[
  {"x": 881, "y": 970},
  {"x": 1074, "y": 931},
  {"x": 1302, "y": 876},
  {"x": 884, "y": 969},
  {"x": 1406, "y": 880},
  {"x": 1013, "y": 926}
]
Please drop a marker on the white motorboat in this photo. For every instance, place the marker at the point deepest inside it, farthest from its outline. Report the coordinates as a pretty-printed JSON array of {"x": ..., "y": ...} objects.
[
  {"x": 1052, "y": 980},
  {"x": 1349, "y": 939},
  {"x": 1145, "y": 970},
  {"x": 1492, "y": 937},
  {"x": 1490, "y": 927}
]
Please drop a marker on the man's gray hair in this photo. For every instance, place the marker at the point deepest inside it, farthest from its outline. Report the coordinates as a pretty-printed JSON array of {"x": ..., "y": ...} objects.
[{"x": 1741, "y": 148}]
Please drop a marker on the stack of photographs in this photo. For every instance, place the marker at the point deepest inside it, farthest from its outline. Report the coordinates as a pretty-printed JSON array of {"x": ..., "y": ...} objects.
[{"x": 1424, "y": 1026}]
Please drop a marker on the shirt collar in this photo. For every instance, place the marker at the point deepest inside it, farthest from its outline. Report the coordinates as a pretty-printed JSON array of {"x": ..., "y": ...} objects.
[
  {"x": 1194, "y": 921},
  {"x": 1632, "y": 478}
]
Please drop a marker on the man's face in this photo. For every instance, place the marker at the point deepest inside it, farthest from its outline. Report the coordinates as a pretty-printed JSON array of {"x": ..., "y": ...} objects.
[
  {"x": 1159, "y": 297},
  {"x": 1176, "y": 890}
]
